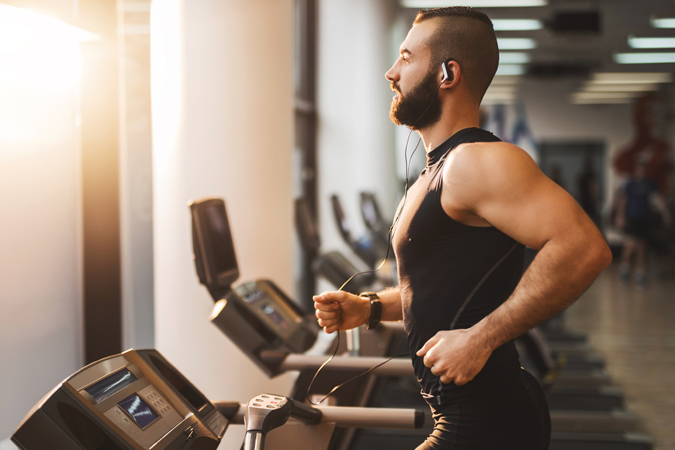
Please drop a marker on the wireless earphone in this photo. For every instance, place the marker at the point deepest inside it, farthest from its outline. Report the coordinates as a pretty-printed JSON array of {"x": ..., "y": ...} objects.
[{"x": 444, "y": 67}]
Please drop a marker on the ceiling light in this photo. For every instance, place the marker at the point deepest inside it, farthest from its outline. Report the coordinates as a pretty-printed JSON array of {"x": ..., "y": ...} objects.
[
  {"x": 505, "y": 80},
  {"x": 645, "y": 58},
  {"x": 500, "y": 96},
  {"x": 513, "y": 58},
  {"x": 588, "y": 98},
  {"x": 494, "y": 101},
  {"x": 517, "y": 24},
  {"x": 516, "y": 43},
  {"x": 510, "y": 69},
  {"x": 616, "y": 87},
  {"x": 631, "y": 77},
  {"x": 601, "y": 101},
  {"x": 663, "y": 22},
  {"x": 651, "y": 42},
  {"x": 604, "y": 95},
  {"x": 473, "y": 3},
  {"x": 501, "y": 89}
]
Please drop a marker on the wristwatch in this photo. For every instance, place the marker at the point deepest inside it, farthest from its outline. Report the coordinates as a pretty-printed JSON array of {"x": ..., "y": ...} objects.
[{"x": 375, "y": 309}]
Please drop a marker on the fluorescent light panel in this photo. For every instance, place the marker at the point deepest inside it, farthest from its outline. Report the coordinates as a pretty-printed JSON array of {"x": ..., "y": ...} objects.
[
  {"x": 602, "y": 101},
  {"x": 517, "y": 24},
  {"x": 616, "y": 87},
  {"x": 645, "y": 58},
  {"x": 505, "y": 80},
  {"x": 663, "y": 22},
  {"x": 474, "y": 3},
  {"x": 631, "y": 77},
  {"x": 510, "y": 69},
  {"x": 500, "y": 95},
  {"x": 604, "y": 95},
  {"x": 513, "y": 58},
  {"x": 651, "y": 42},
  {"x": 501, "y": 89},
  {"x": 499, "y": 98},
  {"x": 516, "y": 43},
  {"x": 494, "y": 101}
]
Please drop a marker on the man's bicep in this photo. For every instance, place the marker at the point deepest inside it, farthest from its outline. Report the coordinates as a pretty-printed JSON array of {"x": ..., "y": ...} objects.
[{"x": 530, "y": 207}]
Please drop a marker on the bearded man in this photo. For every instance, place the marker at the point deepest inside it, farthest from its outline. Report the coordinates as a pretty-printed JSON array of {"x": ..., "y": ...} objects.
[{"x": 459, "y": 242}]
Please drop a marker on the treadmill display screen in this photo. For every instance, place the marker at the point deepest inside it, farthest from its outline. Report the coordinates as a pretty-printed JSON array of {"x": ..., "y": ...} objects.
[
  {"x": 139, "y": 410},
  {"x": 111, "y": 384},
  {"x": 221, "y": 239}
]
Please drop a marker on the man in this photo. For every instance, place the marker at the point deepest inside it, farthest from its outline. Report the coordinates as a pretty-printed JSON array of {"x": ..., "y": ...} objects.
[
  {"x": 459, "y": 243},
  {"x": 634, "y": 216}
]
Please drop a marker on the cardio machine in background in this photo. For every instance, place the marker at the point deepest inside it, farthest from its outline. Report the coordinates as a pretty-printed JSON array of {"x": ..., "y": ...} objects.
[
  {"x": 376, "y": 253},
  {"x": 257, "y": 315},
  {"x": 372, "y": 215},
  {"x": 332, "y": 266}
]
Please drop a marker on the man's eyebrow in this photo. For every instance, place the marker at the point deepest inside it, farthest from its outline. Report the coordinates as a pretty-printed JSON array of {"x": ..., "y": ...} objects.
[{"x": 405, "y": 50}]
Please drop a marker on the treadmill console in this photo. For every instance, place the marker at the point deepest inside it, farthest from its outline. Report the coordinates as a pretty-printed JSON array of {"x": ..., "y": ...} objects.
[
  {"x": 134, "y": 400},
  {"x": 257, "y": 316},
  {"x": 262, "y": 320}
]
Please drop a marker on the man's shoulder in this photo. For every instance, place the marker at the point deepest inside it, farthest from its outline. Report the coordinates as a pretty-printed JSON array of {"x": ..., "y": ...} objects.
[{"x": 485, "y": 158}]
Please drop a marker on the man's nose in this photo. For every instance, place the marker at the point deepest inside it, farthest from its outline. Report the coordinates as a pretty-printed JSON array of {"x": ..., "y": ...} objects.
[{"x": 391, "y": 74}]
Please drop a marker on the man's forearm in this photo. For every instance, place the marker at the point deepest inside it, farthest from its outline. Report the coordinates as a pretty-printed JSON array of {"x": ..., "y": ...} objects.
[
  {"x": 392, "y": 310},
  {"x": 554, "y": 280}
]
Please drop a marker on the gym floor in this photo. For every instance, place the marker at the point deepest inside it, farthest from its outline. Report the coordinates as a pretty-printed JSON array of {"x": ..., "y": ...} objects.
[{"x": 633, "y": 328}]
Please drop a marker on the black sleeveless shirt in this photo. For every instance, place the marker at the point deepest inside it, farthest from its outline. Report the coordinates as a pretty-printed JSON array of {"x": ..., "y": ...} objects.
[{"x": 440, "y": 262}]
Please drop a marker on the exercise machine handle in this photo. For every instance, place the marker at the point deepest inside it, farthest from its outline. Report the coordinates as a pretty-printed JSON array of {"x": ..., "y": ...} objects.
[{"x": 266, "y": 412}]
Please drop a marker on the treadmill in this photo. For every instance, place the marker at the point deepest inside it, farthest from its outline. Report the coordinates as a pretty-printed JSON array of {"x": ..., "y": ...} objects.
[
  {"x": 371, "y": 251},
  {"x": 372, "y": 216}
]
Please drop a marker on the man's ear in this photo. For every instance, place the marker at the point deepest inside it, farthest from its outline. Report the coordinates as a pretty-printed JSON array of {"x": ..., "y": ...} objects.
[{"x": 451, "y": 72}]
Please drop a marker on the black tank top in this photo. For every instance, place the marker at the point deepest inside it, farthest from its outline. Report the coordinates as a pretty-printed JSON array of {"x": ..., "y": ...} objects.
[{"x": 440, "y": 262}]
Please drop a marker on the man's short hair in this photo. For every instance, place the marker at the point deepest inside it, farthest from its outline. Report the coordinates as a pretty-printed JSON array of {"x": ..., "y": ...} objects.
[{"x": 467, "y": 36}]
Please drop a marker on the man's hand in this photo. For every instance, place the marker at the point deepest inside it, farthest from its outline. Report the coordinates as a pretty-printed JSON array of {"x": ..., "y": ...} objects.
[
  {"x": 455, "y": 355},
  {"x": 339, "y": 310}
]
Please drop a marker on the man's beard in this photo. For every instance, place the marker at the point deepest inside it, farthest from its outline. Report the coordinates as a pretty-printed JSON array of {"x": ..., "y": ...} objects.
[{"x": 420, "y": 107}]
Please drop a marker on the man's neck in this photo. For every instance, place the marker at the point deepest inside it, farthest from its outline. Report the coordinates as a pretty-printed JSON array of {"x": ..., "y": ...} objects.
[{"x": 439, "y": 132}]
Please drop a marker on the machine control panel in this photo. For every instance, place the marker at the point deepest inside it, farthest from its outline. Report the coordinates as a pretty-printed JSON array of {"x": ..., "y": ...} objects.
[
  {"x": 129, "y": 401},
  {"x": 258, "y": 317}
]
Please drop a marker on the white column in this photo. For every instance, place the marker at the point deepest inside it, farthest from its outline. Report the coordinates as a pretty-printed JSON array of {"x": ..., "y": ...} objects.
[{"x": 222, "y": 88}]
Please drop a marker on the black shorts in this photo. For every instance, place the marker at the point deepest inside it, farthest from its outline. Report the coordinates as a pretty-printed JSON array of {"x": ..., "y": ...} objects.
[{"x": 512, "y": 415}]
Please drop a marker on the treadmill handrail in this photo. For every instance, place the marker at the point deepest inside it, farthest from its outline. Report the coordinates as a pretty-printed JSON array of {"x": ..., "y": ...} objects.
[
  {"x": 394, "y": 367},
  {"x": 361, "y": 417}
]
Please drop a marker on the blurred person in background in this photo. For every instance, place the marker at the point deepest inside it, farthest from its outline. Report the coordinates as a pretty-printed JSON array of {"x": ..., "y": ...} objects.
[{"x": 635, "y": 216}]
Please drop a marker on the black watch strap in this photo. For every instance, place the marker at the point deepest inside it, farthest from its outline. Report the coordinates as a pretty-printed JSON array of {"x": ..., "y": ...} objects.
[{"x": 375, "y": 309}]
